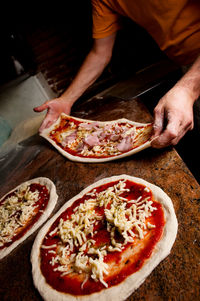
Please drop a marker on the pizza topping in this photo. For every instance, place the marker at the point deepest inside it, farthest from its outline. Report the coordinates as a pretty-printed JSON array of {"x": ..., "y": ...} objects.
[
  {"x": 70, "y": 138},
  {"x": 125, "y": 144},
  {"x": 92, "y": 139},
  {"x": 113, "y": 137},
  {"x": 17, "y": 209},
  {"x": 89, "y": 126},
  {"x": 53, "y": 232},
  {"x": 122, "y": 220},
  {"x": 49, "y": 247},
  {"x": 97, "y": 139}
]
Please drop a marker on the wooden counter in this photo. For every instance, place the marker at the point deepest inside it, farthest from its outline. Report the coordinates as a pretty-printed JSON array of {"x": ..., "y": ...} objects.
[{"x": 178, "y": 276}]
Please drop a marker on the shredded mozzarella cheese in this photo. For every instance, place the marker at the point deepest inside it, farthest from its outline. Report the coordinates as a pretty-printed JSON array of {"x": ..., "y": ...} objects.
[
  {"x": 15, "y": 211},
  {"x": 77, "y": 250}
]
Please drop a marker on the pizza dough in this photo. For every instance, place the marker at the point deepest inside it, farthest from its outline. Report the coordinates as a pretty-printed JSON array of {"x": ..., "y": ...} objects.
[
  {"x": 95, "y": 141},
  {"x": 19, "y": 214},
  {"x": 123, "y": 289}
]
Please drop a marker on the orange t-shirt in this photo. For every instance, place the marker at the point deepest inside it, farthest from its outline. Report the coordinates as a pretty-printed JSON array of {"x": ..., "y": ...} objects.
[{"x": 174, "y": 24}]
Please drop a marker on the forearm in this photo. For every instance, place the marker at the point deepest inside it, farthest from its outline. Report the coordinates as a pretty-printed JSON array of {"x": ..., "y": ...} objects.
[
  {"x": 90, "y": 70},
  {"x": 190, "y": 82},
  {"x": 92, "y": 67}
]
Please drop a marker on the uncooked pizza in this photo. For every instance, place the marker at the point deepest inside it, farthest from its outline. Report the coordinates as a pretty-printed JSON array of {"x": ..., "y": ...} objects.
[
  {"x": 96, "y": 141},
  {"x": 23, "y": 210},
  {"x": 104, "y": 242}
]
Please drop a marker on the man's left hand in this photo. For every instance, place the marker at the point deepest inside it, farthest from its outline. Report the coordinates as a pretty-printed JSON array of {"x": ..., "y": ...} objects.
[{"x": 173, "y": 117}]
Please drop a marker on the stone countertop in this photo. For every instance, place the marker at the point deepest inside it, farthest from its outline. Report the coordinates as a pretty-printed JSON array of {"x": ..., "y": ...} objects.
[{"x": 175, "y": 278}]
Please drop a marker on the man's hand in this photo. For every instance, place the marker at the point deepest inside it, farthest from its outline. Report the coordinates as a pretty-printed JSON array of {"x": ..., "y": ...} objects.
[
  {"x": 173, "y": 117},
  {"x": 54, "y": 108}
]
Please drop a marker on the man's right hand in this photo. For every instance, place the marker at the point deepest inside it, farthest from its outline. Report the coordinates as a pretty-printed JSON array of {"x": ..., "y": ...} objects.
[{"x": 54, "y": 108}]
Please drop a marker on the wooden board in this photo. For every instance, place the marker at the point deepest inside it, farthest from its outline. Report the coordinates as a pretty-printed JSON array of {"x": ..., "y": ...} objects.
[{"x": 178, "y": 276}]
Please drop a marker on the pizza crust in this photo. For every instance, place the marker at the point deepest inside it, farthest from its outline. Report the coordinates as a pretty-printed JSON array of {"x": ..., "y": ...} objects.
[
  {"x": 45, "y": 134},
  {"x": 49, "y": 208},
  {"x": 131, "y": 283}
]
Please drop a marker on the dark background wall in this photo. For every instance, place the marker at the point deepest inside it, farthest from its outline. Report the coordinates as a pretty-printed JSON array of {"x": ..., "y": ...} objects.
[{"x": 56, "y": 41}]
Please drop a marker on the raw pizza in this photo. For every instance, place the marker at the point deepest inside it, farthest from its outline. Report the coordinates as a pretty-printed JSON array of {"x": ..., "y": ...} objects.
[
  {"x": 23, "y": 210},
  {"x": 96, "y": 141},
  {"x": 104, "y": 242}
]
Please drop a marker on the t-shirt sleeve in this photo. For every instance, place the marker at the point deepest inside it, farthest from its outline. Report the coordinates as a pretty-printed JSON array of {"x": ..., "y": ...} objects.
[{"x": 105, "y": 20}]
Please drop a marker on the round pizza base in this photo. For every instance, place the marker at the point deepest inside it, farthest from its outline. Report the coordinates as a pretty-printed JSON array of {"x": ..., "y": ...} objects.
[
  {"x": 131, "y": 283},
  {"x": 49, "y": 208},
  {"x": 45, "y": 134}
]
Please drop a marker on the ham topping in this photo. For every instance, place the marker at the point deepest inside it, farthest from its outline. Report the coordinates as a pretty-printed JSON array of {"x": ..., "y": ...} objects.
[
  {"x": 92, "y": 140},
  {"x": 125, "y": 144},
  {"x": 96, "y": 138},
  {"x": 70, "y": 138},
  {"x": 89, "y": 126},
  {"x": 100, "y": 136}
]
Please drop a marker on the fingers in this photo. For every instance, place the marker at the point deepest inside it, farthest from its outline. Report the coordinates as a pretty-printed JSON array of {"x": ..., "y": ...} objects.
[
  {"x": 51, "y": 115},
  {"x": 47, "y": 122},
  {"x": 173, "y": 117},
  {"x": 48, "y": 118},
  {"x": 183, "y": 130},
  {"x": 167, "y": 137},
  {"x": 158, "y": 121},
  {"x": 173, "y": 133},
  {"x": 172, "y": 120},
  {"x": 54, "y": 108}
]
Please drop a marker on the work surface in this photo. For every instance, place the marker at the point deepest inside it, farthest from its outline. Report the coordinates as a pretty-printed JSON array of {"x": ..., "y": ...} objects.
[{"x": 178, "y": 276}]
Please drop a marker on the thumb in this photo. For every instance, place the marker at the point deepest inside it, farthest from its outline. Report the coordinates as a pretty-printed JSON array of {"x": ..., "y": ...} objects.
[
  {"x": 41, "y": 108},
  {"x": 158, "y": 122}
]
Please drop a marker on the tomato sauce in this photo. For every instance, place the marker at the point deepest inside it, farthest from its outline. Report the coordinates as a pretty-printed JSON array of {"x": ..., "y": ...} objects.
[
  {"x": 40, "y": 206},
  {"x": 71, "y": 283}
]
